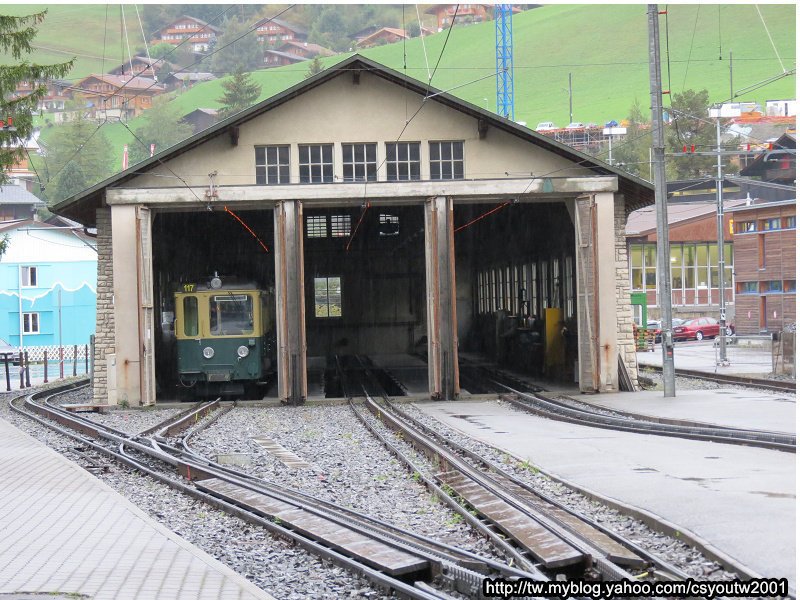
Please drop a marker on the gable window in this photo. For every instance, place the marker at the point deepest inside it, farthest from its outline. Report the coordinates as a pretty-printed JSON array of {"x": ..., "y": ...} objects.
[
  {"x": 447, "y": 160},
  {"x": 316, "y": 163},
  {"x": 402, "y": 161},
  {"x": 327, "y": 297},
  {"x": 359, "y": 162},
  {"x": 272, "y": 165},
  {"x": 30, "y": 322},
  {"x": 316, "y": 226},
  {"x": 29, "y": 277}
]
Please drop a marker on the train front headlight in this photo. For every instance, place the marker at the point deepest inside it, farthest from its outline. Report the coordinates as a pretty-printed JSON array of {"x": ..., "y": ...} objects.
[
  {"x": 208, "y": 352},
  {"x": 242, "y": 351}
]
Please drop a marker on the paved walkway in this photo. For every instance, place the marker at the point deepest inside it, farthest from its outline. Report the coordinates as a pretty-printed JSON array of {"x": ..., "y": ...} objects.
[
  {"x": 746, "y": 357},
  {"x": 739, "y": 499},
  {"x": 732, "y": 407},
  {"x": 64, "y": 531}
]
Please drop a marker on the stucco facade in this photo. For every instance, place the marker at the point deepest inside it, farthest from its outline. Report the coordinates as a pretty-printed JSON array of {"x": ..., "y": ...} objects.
[{"x": 362, "y": 102}]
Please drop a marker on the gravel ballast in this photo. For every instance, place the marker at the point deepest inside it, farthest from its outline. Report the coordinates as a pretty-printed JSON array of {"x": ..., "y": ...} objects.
[{"x": 272, "y": 564}]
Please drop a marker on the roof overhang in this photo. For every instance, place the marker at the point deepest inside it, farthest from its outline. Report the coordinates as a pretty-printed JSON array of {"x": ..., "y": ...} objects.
[{"x": 81, "y": 207}]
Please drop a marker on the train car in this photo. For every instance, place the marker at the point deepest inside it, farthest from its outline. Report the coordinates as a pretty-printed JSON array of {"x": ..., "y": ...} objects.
[{"x": 224, "y": 336}]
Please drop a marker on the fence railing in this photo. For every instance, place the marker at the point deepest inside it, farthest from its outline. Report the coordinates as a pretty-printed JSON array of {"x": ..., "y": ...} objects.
[{"x": 43, "y": 364}]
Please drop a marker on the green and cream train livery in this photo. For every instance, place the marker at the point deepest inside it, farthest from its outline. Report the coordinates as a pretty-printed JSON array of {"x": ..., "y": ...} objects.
[{"x": 224, "y": 334}]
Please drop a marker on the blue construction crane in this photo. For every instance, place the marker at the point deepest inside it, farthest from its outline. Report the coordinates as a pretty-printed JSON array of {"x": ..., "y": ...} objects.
[{"x": 504, "y": 40}]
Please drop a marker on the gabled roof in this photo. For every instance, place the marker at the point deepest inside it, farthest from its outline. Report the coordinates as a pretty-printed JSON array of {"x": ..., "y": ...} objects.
[
  {"x": 81, "y": 206},
  {"x": 286, "y": 55},
  {"x": 284, "y": 24},
  {"x": 118, "y": 81},
  {"x": 192, "y": 76},
  {"x": 786, "y": 142},
  {"x": 196, "y": 20},
  {"x": 393, "y": 30},
  {"x": 320, "y": 50}
]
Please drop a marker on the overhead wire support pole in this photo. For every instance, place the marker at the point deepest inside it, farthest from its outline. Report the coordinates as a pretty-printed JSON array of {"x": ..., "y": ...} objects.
[
  {"x": 723, "y": 357},
  {"x": 660, "y": 184},
  {"x": 504, "y": 41}
]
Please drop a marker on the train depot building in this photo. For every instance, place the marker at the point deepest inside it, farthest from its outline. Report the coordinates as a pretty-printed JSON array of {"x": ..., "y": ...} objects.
[{"x": 376, "y": 216}]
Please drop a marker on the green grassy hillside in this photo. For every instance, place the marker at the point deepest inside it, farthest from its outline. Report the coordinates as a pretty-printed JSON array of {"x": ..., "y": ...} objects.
[
  {"x": 82, "y": 31},
  {"x": 605, "y": 48}
]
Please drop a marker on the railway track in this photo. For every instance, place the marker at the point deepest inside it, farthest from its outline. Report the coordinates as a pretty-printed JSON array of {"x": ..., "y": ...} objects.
[
  {"x": 536, "y": 402},
  {"x": 535, "y": 529},
  {"x": 397, "y": 561},
  {"x": 789, "y": 387}
]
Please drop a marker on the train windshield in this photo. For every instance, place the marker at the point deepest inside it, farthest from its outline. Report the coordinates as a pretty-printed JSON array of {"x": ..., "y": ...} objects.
[{"x": 231, "y": 314}]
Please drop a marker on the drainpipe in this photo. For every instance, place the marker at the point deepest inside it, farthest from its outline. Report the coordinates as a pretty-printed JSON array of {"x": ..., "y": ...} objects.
[{"x": 19, "y": 298}]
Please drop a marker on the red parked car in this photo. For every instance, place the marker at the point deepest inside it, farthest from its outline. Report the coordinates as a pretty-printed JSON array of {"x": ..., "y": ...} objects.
[{"x": 699, "y": 328}]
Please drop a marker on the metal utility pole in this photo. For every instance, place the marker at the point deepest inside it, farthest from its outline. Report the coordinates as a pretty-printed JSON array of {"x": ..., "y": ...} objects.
[
  {"x": 719, "y": 113},
  {"x": 723, "y": 357},
  {"x": 660, "y": 183}
]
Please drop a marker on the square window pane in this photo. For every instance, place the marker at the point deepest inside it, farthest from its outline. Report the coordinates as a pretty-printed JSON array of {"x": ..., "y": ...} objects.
[
  {"x": 260, "y": 156},
  {"x": 372, "y": 152},
  {"x": 413, "y": 151},
  {"x": 446, "y": 151},
  {"x": 458, "y": 150},
  {"x": 347, "y": 152},
  {"x": 316, "y": 154},
  {"x": 327, "y": 153},
  {"x": 391, "y": 152},
  {"x": 434, "y": 151}
]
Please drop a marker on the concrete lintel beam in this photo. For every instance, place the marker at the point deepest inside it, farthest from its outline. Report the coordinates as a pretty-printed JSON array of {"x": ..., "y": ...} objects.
[{"x": 354, "y": 193}]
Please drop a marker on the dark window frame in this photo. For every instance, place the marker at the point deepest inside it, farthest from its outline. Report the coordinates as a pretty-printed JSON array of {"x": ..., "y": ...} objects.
[
  {"x": 272, "y": 172},
  {"x": 400, "y": 162},
  {"x": 315, "y": 163},
  {"x": 359, "y": 162},
  {"x": 446, "y": 160}
]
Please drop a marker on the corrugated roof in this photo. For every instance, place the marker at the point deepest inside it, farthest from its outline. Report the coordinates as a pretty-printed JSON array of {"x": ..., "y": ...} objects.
[
  {"x": 14, "y": 194},
  {"x": 643, "y": 221}
]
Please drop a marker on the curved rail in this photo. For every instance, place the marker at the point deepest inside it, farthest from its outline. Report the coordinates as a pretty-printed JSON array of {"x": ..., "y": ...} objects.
[
  {"x": 551, "y": 408},
  {"x": 193, "y": 469}
]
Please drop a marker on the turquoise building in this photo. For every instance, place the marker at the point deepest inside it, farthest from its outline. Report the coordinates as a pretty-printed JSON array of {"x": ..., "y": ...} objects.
[{"x": 48, "y": 286}]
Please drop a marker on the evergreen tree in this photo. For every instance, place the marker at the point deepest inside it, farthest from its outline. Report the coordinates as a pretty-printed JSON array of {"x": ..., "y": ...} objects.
[
  {"x": 240, "y": 93},
  {"x": 633, "y": 153},
  {"x": 314, "y": 67},
  {"x": 163, "y": 127},
  {"x": 77, "y": 155},
  {"x": 243, "y": 54},
  {"x": 16, "y": 35},
  {"x": 691, "y": 126}
]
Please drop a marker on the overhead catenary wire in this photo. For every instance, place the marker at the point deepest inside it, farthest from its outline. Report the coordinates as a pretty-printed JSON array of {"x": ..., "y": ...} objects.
[
  {"x": 144, "y": 41},
  {"x": 127, "y": 41},
  {"x": 769, "y": 35},
  {"x": 405, "y": 126},
  {"x": 422, "y": 39},
  {"x": 213, "y": 52}
]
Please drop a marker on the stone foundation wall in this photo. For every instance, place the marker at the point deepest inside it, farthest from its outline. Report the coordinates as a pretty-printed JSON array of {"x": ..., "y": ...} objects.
[
  {"x": 625, "y": 342},
  {"x": 104, "y": 338}
]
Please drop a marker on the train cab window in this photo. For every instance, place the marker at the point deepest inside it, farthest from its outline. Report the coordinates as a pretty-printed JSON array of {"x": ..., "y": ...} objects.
[
  {"x": 231, "y": 314},
  {"x": 190, "y": 316}
]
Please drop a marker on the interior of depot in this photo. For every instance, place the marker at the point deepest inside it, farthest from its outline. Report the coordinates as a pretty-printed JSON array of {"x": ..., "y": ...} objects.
[{"x": 366, "y": 290}]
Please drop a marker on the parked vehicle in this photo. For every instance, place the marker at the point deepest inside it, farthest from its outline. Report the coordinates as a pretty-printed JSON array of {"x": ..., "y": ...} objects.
[
  {"x": 700, "y": 328},
  {"x": 13, "y": 355},
  {"x": 546, "y": 126},
  {"x": 612, "y": 123},
  {"x": 576, "y": 125},
  {"x": 656, "y": 327}
]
